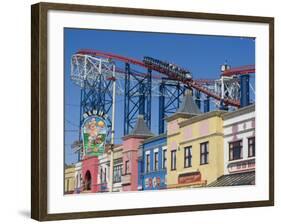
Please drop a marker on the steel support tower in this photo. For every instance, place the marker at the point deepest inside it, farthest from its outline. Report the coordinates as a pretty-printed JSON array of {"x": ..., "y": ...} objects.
[
  {"x": 171, "y": 93},
  {"x": 244, "y": 90},
  {"x": 95, "y": 76},
  {"x": 137, "y": 98},
  {"x": 197, "y": 98}
]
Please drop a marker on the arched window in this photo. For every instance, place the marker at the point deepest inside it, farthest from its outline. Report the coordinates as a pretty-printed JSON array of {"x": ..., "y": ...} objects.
[{"x": 88, "y": 181}]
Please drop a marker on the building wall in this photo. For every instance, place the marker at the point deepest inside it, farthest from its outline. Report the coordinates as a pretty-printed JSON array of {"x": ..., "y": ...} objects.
[
  {"x": 130, "y": 154},
  {"x": 193, "y": 132},
  {"x": 91, "y": 164},
  {"x": 103, "y": 173},
  {"x": 78, "y": 177},
  {"x": 154, "y": 179},
  {"x": 118, "y": 161},
  {"x": 69, "y": 179},
  {"x": 239, "y": 127}
]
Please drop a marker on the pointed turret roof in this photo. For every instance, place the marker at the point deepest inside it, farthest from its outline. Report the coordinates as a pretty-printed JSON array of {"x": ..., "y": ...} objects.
[
  {"x": 187, "y": 109},
  {"x": 189, "y": 106},
  {"x": 140, "y": 129}
]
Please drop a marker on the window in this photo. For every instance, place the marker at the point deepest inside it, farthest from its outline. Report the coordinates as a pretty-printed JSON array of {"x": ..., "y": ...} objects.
[
  {"x": 204, "y": 153},
  {"x": 164, "y": 162},
  {"x": 147, "y": 162},
  {"x": 235, "y": 150},
  {"x": 155, "y": 161},
  {"x": 104, "y": 178},
  {"x": 127, "y": 167},
  {"x": 251, "y": 147},
  {"x": 187, "y": 156},
  {"x": 101, "y": 175},
  {"x": 117, "y": 171},
  {"x": 173, "y": 160},
  {"x": 77, "y": 182},
  {"x": 67, "y": 185}
]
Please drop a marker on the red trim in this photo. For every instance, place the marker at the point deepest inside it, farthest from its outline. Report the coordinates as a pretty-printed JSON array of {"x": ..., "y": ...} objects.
[{"x": 243, "y": 70}]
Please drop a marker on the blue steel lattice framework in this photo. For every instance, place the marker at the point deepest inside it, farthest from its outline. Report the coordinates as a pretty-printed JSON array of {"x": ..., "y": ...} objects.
[
  {"x": 137, "y": 98},
  {"x": 97, "y": 96},
  {"x": 171, "y": 93},
  {"x": 95, "y": 77},
  {"x": 244, "y": 90}
]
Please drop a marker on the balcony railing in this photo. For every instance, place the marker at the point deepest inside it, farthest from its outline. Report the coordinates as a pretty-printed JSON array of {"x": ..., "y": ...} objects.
[{"x": 242, "y": 165}]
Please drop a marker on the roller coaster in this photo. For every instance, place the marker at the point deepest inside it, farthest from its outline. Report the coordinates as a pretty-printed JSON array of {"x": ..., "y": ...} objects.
[{"x": 140, "y": 80}]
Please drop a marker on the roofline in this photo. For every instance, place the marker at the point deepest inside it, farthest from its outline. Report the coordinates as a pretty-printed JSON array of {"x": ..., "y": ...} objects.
[
  {"x": 180, "y": 115},
  {"x": 136, "y": 136},
  {"x": 216, "y": 113},
  {"x": 163, "y": 135},
  {"x": 241, "y": 111}
]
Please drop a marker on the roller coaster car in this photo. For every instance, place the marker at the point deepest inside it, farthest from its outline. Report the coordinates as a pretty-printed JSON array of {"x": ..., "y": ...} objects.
[
  {"x": 188, "y": 75},
  {"x": 180, "y": 73}
]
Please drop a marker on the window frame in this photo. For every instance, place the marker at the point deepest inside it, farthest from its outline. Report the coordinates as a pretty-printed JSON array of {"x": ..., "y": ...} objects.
[
  {"x": 205, "y": 153},
  {"x": 164, "y": 158},
  {"x": 127, "y": 167},
  {"x": 105, "y": 175},
  {"x": 231, "y": 149},
  {"x": 147, "y": 162},
  {"x": 188, "y": 156},
  {"x": 253, "y": 145},
  {"x": 117, "y": 173},
  {"x": 173, "y": 160},
  {"x": 156, "y": 160}
]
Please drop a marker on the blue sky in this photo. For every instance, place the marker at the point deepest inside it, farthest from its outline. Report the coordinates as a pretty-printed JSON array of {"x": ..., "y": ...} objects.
[{"x": 202, "y": 55}]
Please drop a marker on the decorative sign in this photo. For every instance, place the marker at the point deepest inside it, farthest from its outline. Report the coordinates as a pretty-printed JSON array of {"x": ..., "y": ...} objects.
[
  {"x": 242, "y": 166},
  {"x": 158, "y": 181},
  {"x": 150, "y": 182},
  {"x": 146, "y": 183},
  {"x": 154, "y": 182},
  {"x": 189, "y": 178},
  {"x": 94, "y": 132},
  {"x": 98, "y": 113}
]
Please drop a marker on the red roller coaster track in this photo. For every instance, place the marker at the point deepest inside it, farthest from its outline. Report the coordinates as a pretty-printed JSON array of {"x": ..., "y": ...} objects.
[
  {"x": 192, "y": 83},
  {"x": 243, "y": 70}
]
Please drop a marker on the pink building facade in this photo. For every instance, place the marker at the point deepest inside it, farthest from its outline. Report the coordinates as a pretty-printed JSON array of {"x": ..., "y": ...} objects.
[
  {"x": 90, "y": 174},
  {"x": 131, "y": 144}
]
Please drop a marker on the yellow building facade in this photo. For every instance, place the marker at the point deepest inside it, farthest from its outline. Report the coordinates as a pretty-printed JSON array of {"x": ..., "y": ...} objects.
[
  {"x": 69, "y": 179},
  {"x": 195, "y": 144}
]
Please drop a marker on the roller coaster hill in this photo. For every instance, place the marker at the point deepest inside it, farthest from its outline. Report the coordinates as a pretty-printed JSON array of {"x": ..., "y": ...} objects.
[{"x": 102, "y": 75}]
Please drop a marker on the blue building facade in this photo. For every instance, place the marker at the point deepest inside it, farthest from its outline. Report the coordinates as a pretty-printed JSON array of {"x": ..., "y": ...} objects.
[{"x": 152, "y": 163}]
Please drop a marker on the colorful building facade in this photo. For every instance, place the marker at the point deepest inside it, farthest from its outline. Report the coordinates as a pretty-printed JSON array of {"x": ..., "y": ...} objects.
[
  {"x": 78, "y": 178},
  {"x": 239, "y": 148},
  {"x": 69, "y": 177},
  {"x": 103, "y": 173},
  {"x": 153, "y": 163},
  {"x": 216, "y": 148},
  {"x": 131, "y": 144},
  {"x": 90, "y": 168},
  {"x": 117, "y": 168},
  {"x": 195, "y": 153}
]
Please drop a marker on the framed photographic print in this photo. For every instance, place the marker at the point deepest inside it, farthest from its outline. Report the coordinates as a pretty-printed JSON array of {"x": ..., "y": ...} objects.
[{"x": 139, "y": 111}]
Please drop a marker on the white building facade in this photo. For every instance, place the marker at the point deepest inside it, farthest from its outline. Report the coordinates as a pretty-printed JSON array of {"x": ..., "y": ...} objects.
[
  {"x": 117, "y": 169},
  {"x": 78, "y": 178},
  {"x": 104, "y": 178},
  {"x": 239, "y": 141},
  {"x": 103, "y": 173}
]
